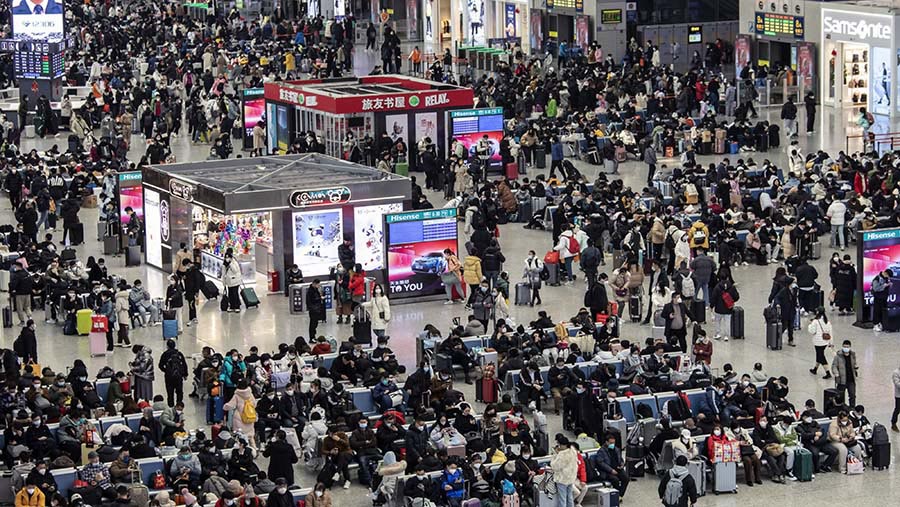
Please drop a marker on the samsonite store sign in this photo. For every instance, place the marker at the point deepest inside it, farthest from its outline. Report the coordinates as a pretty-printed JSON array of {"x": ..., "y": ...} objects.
[{"x": 849, "y": 26}]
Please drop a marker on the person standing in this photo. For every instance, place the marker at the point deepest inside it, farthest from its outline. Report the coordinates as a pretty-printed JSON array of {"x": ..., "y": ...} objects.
[
  {"x": 565, "y": 471},
  {"x": 845, "y": 371},
  {"x": 836, "y": 215},
  {"x": 123, "y": 318},
  {"x": 676, "y": 315},
  {"x": 452, "y": 276},
  {"x": 881, "y": 289},
  {"x": 895, "y": 378},
  {"x": 281, "y": 458},
  {"x": 21, "y": 285},
  {"x": 820, "y": 328},
  {"x": 143, "y": 373},
  {"x": 175, "y": 299},
  {"x": 175, "y": 372},
  {"x": 650, "y": 160},
  {"x": 316, "y": 307},
  {"x": 108, "y": 310},
  {"x": 810, "y": 102},
  {"x": 789, "y": 117},
  {"x": 25, "y": 346},
  {"x": 722, "y": 308},
  {"x": 380, "y": 308},
  {"x": 231, "y": 278},
  {"x": 532, "y": 275},
  {"x": 193, "y": 281}
]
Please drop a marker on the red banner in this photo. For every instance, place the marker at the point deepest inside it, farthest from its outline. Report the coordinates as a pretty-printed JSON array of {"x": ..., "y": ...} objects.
[{"x": 408, "y": 101}]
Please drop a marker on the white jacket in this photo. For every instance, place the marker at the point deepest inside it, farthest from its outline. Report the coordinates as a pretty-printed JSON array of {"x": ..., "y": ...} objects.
[
  {"x": 562, "y": 246},
  {"x": 375, "y": 307},
  {"x": 836, "y": 213},
  {"x": 817, "y": 328},
  {"x": 683, "y": 249},
  {"x": 231, "y": 274}
]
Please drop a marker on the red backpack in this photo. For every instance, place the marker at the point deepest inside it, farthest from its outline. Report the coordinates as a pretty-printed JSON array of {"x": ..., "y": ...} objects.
[{"x": 574, "y": 246}]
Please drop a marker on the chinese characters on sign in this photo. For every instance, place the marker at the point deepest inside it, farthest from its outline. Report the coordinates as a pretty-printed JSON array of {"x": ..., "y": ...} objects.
[
  {"x": 779, "y": 24},
  {"x": 378, "y": 104}
]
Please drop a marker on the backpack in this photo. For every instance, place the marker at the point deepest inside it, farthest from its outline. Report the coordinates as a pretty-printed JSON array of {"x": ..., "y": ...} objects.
[
  {"x": 574, "y": 246},
  {"x": 477, "y": 219},
  {"x": 174, "y": 367},
  {"x": 248, "y": 413},
  {"x": 687, "y": 287},
  {"x": 674, "y": 489},
  {"x": 545, "y": 273},
  {"x": 670, "y": 243}
]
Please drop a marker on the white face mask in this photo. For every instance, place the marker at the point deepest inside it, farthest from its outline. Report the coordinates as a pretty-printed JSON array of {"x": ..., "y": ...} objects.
[
  {"x": 320, "y": 493},
  {"x": 282, "y": 490},
  {"x": 717, "y": 432}
]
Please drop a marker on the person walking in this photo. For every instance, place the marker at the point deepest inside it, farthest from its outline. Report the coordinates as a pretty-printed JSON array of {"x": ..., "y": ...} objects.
[
  {"x": 845, "y": 372},
  {"x": 789, "y": 117},
  {"x": 677, "y": 488},
  {"x": 25, "y": 346},
  {"x": 175, "y": 372},
  {"x": 820, "y": 328},
  {"x": 532, "y": 275},
  {"x": 315, "y": 304},
  {"x": 564, "y": 465},
  {"x": 881, "y": 289},
  {"x": 895, "y": 378},
  {"x": 810, "y": 102},
  {"x": 452, "y": 276},
  {"x": 21, "y": 286},
  {"x": 123, "y": 317},
  {"x": 231, "y": 278},
  {"x": 650, "y": 160}
]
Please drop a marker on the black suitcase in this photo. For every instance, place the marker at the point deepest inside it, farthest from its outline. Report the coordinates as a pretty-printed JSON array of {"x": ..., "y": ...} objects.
[
  {"x": 133, "y": 255},
  {"x": 831, "y": 397},
  {"x": 774, "y": 331},
  {"x": 881, "y": 455},
  {"x": 737, "y": 323},
  {"x": 209, "y": 290},
  {"x": 7, "y": 317},
  {"x": 540, "y": 158},
  {"x": 76, "y": 234},
  {"x": 634, "y": 308},
  {"x": 634, "y": 460},
  {"x": 525, "y": 211},
  {"x": 698, "y": 310},
  {"x": 362, "y": 327},
  {"x": 443, "y": 362},
  {"x": 521, "y": 162},
  {"x": 248, "y": 296}
]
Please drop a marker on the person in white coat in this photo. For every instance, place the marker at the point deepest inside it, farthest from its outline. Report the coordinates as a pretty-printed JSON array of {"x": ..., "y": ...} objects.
[
  {"x": 566, "y": 255},
  {"x": 380, "y": 310},
  {"x": 231, "y": 279},
  {"x": 836, "y": 214},
  {"x": 820, "y": 329}
]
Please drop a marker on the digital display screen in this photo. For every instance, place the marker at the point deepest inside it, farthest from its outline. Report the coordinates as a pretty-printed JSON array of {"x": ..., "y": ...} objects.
[
  {"x": 774, "y": 25},
  {"x": 37, "y": 19},
  {"x": 880, "y": 250},
  {"x": 33, "y": 65},
  {"x": 317, "y": 235},
  {"x": 254, "y": 110},
  {"x": 695, "y": 34},
  {"x": 611, "y": 16},
  {"x": 469, "y": 126},
  {"x": 368, "y": 234},
  {"x": 153, "y": 228},
  {"x": 130, "y": 195},
  {"x": 416, "y": 241}
]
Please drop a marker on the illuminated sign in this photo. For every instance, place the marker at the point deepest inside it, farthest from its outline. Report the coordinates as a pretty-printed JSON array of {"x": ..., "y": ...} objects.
[
  {"x": 779, "y": 24},
  {"x": 182, "y": 190},
  {"x": 857, "y": 28},
  {"x": 37, "y": 19},
  {"x": 320, "y": 197},
  {"x": 695, "y": 34},
  {"x": 610, "y": 16}
]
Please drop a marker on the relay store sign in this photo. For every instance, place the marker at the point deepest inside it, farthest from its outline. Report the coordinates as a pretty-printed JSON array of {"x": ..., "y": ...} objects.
[{"x": 853, "y": 26}]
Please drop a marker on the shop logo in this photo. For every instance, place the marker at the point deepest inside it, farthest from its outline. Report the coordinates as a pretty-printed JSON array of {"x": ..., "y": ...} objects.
[
  {"x": 437, "y": 100},
  {"x": 860, "y": 29},
  {"x": 320, "y": 197},
  {"x": 294, "y": 97},
  {"x": 164, "y": 220},
  {"x": 182, "y": 190},
  {"x": 135, "y": 176},
  {"x": 414, "y": 101}
]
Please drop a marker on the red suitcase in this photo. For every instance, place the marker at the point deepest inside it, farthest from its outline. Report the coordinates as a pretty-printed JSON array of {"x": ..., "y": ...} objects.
[
  {"x": 487, "y": 390},
  {"x": 512, "y": 171}
]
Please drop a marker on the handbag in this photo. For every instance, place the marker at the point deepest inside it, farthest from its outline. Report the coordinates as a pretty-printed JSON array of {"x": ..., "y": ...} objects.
[
  {"x": 449, "y": 278},
  {"x": 774, "y": 449},
  {"x": 855, "y": 465},
  {"x": 747, "y": 450}
]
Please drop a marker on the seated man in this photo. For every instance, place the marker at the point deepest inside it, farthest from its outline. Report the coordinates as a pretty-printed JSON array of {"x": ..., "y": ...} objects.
[
  {"x": 365, "y": 449},
  {"x": 610, "y": 466},
  {"x": 97, "y": 475},
  {"x": 816, "y": 441},
  {"x": 388, "y": 395},
  {"x": 172, "y": 420}
]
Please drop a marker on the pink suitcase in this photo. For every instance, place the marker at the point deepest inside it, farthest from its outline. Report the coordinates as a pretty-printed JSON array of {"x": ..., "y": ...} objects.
[{"x": 98, "y": 344}]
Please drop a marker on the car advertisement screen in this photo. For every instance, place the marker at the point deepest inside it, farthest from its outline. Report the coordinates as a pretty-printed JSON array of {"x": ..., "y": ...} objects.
[
  {"x": 469, "y": 126},
  {"x": 131, "y": 195},
  {"x": 37, "y": 19},
  {"x": 416, "y": 241},
  {"x": 368, "y": 234},
  {"x": 317, "y": 235},
  {"x": 879, "y": 250}
]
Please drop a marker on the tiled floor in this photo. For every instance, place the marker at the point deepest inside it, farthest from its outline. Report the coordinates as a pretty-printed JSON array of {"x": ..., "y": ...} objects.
[{"x": 271, "y": 324}]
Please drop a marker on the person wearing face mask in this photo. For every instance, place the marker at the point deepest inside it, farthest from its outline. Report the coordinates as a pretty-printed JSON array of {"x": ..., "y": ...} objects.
[
  {"x": 41, "y": 477},
  {"x": 416, "y": 443},
  {"x": 764, "y": 438},
  {"x": 417, "y": 387},
  {"x": 39, "y": 439},
  {"x": 816, "y": 441},
  {"x": 227, "y": 499},
  {"x": 387, "y": 394},
  {"x": 120, "y": 469},
  {"x": 320, "y": 497},
  {"x": 685, "y": 445},
  {"x": 380, "y": 310},
  {"x": 30, "y": 496},
  {"x": 581, "y": 410},
  {"x": 96, "y": 474},
  {"x": 749, "y": 456},
  {"x": 419, "y": 485},
  {"x": 452, "y": 484},
  {"x": 172, "y": 420},
  {"x": 292, "y": 409},
  {"x": 676, "y": 315},
  {"x": 185, "y": 461},
  {"x": 844, "y": 438},
  {"x": 269, "y": 413},
  {"x": 845, "y": 372},
  {"x": 175, "y": 372},
  {"x": 790, "y": 440},
  {"x": 281, "y": 457},
  {"x": 483, "y": 303},
  {"x": 142, "y": 371},
  {"x": 610, "y": 466}
]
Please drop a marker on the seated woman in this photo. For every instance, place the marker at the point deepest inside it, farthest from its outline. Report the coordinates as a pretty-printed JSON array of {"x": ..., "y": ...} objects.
[
  {"x": 748, "y": 452},
  {"x": 444, "y": 436},
  {"x": 764, "y": 438},
  {"x": 531, "y": 386},
  {"x": 843, "y": 437},
  {"x": 754, "y": 247}
]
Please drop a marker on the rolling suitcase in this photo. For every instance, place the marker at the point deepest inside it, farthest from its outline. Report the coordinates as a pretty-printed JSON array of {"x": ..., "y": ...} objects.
[
  {"x": 102, "y": 230},
  {"x": 725, "y": 477},
  {"x": 524, "y": 212},
  {"x": 248, "y": 296},
  {"x": 215, "y": 409},
  {"x": 97, "y": 344},
  {"x": 523, "y": 293},
  {"x": 618, "y": 427},
  {"x": 541, "y": 443},
  {"x": 486, "y": 390},
  {"x": 111, "y": 245},
  {"x": 139, "y": 494},
  {"x": 7, "y": 317},
  {"x": 698, "y": 310},
  {"x": 608, "y": 497},
  {"x": 553, "y": 270},
  {"x": 362, "y": 328},
  {"x": 634, "y": 460},
  {"x": 209, "y": 290},
  {"x": 512, "y": 171},
  {"x": 658, "y": 332},
  {"x": 634, "y": 308},
  {"x": 815, "y": 250},
  {"x": 521, "y": 165},
  {"x": 76, "y": 234},
  {"x": 774, "y": 331},
  {"x": 540, "y": 158},
  {"x": 737, "y": 323},
  {"x": 830, "y": 398},
  {"x": 698, "y": 471},
  {"x": 881, "y": 455},
  {"x": 803, "y": 465},
  {"x": 83, "y": 321},
  {"x": 133, "y": 255},
  {"x": 169, "y": 329}
]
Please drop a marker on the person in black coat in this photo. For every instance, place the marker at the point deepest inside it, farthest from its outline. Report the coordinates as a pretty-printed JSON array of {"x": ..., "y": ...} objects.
[
  {"x": 25, "y": 345},
  {"x": 281, "y": 458},
  {"x": 316, "y": 306},
  {"x": 679, "y": 333},
  {"x": 193, "y": 283},
  {"x": 844, "y": 282},
  {"x": 280, "y": 497}
]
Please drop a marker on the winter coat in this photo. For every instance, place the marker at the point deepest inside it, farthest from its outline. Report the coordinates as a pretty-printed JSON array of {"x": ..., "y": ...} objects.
[
  {"x": 472, "y": 274},
  {"x": 376, "y": 307},
  {"x": 565, "y": 466},
  {"x": 839, "y": 367},
  {"x": 142, "y": 366},
  {"x": 122, "y": 307},
  {"x": 231, "y": 275},
  {"x": 818, "y": 327},
  {"x": 236, "y": 404}
]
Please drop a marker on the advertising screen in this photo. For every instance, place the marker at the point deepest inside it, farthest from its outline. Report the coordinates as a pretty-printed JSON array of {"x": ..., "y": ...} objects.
[
  {"x": 153, "y": 229},
  {"x": 254, "y": 110},
  {"x": 37, "y": 19},
  {"x": 283, "y": 132},
  {"x": 470, "y": 125},
  {"x": 130, "y": 195},
  {"x": 416, "y": 241},
  {"x": 368, "y": 232},
  {"x": 879, "y": 250},
  {"x": 317, "y": 235}
]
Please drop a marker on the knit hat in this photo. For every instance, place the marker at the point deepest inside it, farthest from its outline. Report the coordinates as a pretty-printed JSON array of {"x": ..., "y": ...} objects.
[
  {"x": 685, "y": 433},
  {"x": 235, "y": 487},
  {"x": 510, "y": 467},
  {"x": 162, "y": 497}
]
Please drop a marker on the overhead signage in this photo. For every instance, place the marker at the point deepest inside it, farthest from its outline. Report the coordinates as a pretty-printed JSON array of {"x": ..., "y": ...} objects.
[
  {"x": 182, "y": 190},
  {"x": 775, "y": 25},
  {"x": 488, "y": 111},
  {"x": 610, "y": 16},
  {"x": 441, "y": 99},
  {"x": 413, "y": 216},
  {"x": 320, "y": 197},
  {"x": 695, "y": 34},
  {"x": 37, "y": 19},
  {"x": 855, "y": 26}
]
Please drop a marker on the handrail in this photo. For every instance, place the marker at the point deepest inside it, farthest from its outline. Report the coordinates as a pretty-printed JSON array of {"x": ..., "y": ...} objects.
[{"x": 877, "y": 137}]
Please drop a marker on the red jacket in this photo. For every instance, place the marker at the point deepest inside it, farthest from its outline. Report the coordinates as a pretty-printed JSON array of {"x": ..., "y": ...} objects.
[
  {"x": 582, "y": 471},
  {"x": 711, "y": 441},
  {"x": 357, "y": 284}
]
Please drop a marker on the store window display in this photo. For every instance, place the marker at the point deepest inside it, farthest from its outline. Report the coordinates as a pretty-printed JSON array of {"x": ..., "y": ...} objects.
[{"x": 245, "y": 234}]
